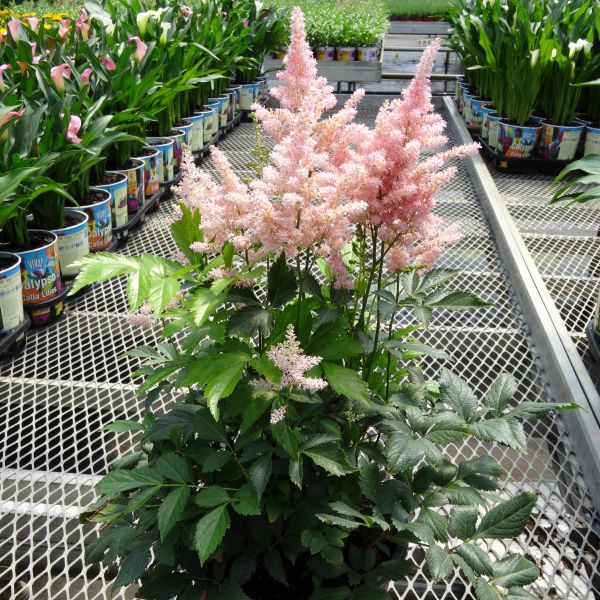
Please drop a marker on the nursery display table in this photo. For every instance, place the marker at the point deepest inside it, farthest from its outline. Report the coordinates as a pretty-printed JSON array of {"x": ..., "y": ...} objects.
[
  {"x": 72, "y": 379},
  {"x": 351, "y": 72}
]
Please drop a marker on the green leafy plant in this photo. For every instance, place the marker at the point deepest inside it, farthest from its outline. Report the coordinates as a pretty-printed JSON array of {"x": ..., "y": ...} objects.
[{"x": 306, "y": 449}]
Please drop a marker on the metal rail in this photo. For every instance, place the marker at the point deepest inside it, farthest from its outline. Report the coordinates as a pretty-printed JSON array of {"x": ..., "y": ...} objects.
[{"x": 563, "y": 366}]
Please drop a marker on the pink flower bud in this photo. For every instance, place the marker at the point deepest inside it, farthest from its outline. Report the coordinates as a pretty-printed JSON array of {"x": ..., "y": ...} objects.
[
  {"x": 15, "y": 31},
  {"x": 6, "y": 118},
  {"x": 85, "y": 76},
  {"x": 140, "y": 50},
  {"x": 245, "y": 22},
  {"x": 63, "y": 31},
  {"x": 74, "y": 127},
  {"x": 58, "y": 74},
  {"x": 3, "y": 68},
  {"x": 109, "y": 63},
  {"x": 82, "y": 25},
  {"x": 186, "y": 11},
  {"x": 33, "y": 23}
]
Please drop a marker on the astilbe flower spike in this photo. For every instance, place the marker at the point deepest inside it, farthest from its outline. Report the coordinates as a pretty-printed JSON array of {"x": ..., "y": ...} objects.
[
  {"x": 293, "y": 364},
  {"x": 330, "y": 178}
]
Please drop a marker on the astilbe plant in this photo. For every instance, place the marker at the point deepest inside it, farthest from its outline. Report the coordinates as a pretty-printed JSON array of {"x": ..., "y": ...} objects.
[{"x": 305, "y": 452}]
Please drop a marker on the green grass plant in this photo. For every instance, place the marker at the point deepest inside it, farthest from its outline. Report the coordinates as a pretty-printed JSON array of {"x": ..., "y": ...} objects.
[{"x": 419, "y": 8}]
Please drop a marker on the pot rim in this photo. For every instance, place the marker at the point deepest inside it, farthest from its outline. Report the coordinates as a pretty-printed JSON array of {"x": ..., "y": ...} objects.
[
  {"x": 573, "y": 125},
  {"x": 509, "y": 124},
  {"x": 155, "y": 152},
  {"x": 156, "y": 142},
  {"x": 135, "y": 168},
  {"x": 179, "y": 134},
  {"x": 46, "y": 245},
  {"x": 15, "y": 257},
  {"x": 103, "y": 185},
  {"x": 81, "y": 225},
  {"x": 97, "y": 189}
]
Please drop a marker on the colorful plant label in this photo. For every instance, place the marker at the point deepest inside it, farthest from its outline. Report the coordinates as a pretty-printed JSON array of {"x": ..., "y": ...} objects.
[
  {"x": 187, "y": 133},
  {"x": 559, "y": 143},
  {"x": 197, "y": 135},
  {"x": 247, "y": 96},
  {"x": 476, "y": 113},
  {"x": 325, "y": 54},
  {"x": 211, "y": 122},
  {"x": 135, "y": 187},
  {"x": 150, "y": 173},
  {"x": 516, "y": 141},
  {"x": 368, "y": 54},
  {"x": 177, "y": 150},
  {"x": 486, "y": 111},
  {"x": 40, "y": 272},
  {"x": 118, "y": 200},
  {"x": 592, "y": 140},
  {"x": 165, "y": 167},
  {"x": 99, "y": 225},
  {"x": 73, "y": 244},
  {"x": 235, "y": 100},
  {"x": 11, "y": 298},
  {"x": 346, "y": 54},
  {"x": 492, "y": 130}
]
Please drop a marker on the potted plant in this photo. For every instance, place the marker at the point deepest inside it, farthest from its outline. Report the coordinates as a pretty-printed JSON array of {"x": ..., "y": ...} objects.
[
  {"x": 306, "y": 454},
  {"x": 26, "y": 180},
  {"x": 571, "y": 63},
  {"x": 592, "y": 114},
  {"x": 572, "y": 193}
]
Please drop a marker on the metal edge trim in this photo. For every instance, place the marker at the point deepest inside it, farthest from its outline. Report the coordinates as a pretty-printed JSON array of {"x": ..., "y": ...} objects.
[{"x": 566, "y": 373}]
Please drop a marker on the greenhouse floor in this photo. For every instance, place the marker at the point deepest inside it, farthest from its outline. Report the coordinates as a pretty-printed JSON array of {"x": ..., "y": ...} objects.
[{"x": 71, "y": 379}]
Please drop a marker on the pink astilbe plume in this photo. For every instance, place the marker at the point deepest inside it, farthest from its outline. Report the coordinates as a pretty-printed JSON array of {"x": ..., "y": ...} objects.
[
  {"x": 330, "y": 178},
  {"x": 293, "y": 363}
]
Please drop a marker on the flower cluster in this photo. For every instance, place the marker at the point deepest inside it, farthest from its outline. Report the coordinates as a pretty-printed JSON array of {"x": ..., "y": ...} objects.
[
  {"x": 293, "y": 364},
  {"x": 329, "y": 176}
]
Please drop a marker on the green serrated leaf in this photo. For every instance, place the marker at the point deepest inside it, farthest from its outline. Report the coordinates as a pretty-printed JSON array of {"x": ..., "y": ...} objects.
[
  {"x": 462, "y": 522},
  {"x": 346, "y": 382},
  {"x": 500, "y": 393},
  {"x": 274, "y": 565},
  {"x": 504, "y": 430},
  {"x": 124, "y": 425},
  {"x": 282, "y": 284},
  {"x": 514, "y": 570},
  {"x": 332, "y": 459},
  {"x": 213, "y": 495},
  {"x": 245, "y": 501},
  {"x": 484, "y": 591},
  {"x": 476, "y": 558},
  {"x": 436, "y": 522},
  {"x": 439, "y": 562},
  {"x": 458, "y": 395},
  {"x": 174, "y": 467},
  {"x": 260, "y": 473},
  {"x": 161, "y": 291},
  {"x": 210, "y": 531},
  {"x": 171, "y": 509},
  {"x": 369, "y": 479},
  {"x": 508, "y": 519},
  {"x": 120, "y": 481}
]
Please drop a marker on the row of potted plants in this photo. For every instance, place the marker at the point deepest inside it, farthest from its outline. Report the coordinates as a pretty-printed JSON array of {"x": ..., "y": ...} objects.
[
  {"x": 307, "y": 451},
  {"x": 347, "y": 30},
  {"x": 532, "y": 68},
  {"x": 94, "y": 113}
]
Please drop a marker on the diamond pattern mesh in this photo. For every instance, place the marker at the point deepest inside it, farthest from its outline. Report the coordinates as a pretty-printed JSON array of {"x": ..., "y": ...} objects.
[
  {"x": 72, "y": 379},
  {"x": 564, "y": 243}
]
